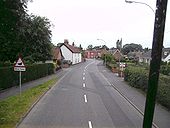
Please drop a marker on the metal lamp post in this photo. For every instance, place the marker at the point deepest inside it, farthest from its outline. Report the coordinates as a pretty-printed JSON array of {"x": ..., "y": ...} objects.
[
  {"x": 105, "y": 49},
  {"x": 156, "y": 54},
  {"x": 130, "y": 2}
]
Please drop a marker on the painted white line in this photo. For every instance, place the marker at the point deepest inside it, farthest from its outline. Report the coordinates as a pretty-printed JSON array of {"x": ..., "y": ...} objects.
[
  {"x": 89, "y": 64},
  {"x": 84, "y": 85},
  {"x": 85, "y": 98},
  {"x": 90, "y": 124},
  {"x": 84, "y": 73},
  {"x": 83, "y": 78},
  {"x": 127, "y": 99}
]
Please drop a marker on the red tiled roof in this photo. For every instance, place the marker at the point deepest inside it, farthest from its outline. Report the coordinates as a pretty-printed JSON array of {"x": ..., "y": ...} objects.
[{"x": 72, "y": 48}]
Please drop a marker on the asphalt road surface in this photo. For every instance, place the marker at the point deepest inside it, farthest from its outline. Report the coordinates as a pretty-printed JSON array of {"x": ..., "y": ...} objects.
[{"x": 83, "y": 98}]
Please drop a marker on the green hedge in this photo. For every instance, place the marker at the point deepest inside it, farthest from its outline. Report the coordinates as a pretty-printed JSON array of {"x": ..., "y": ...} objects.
[
  {"x": 138, "y": 77},
  {"x": 165, "y": 69},
  {"x": 9, "y": 78}
]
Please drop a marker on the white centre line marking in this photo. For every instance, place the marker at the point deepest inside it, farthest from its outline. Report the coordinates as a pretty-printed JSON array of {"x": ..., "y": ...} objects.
[
  {"x": 90, "y": 124},
  {"x": 85, "y": 98},
  {"x": 84, "y": 73},
  {"x": 83, "y": 78},
  {"x": 84, "y": 85}
]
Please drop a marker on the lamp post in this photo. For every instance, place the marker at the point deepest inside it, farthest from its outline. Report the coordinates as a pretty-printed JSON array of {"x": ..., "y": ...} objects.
[
  {"x": 130, "y": 2},
  {"x": 157, "y": 45},
  {"x": 105, "y": 49}
]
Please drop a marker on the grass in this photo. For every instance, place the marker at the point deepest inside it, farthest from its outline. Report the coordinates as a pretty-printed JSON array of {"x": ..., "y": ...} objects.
[{"x": 14, "y": 108}]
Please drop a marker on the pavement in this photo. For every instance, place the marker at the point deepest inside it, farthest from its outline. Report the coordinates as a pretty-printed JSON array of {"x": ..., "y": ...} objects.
[{"x": 15, "y": 90}]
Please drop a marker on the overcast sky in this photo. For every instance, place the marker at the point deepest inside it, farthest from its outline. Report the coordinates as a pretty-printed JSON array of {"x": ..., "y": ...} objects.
[{"x": 85, "y": 21}]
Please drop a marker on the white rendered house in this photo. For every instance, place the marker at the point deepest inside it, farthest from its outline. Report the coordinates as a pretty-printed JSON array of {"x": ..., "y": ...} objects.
[{"x": 70, "y": 52}]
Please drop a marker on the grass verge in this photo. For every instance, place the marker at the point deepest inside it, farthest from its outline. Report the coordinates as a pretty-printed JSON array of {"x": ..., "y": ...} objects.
[{"x": 14, "y": 108}]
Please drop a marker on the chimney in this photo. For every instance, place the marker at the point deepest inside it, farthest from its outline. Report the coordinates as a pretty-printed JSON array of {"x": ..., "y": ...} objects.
[
  {"x": 66, "y": 41},
  {"x": 73, "y": 44}
]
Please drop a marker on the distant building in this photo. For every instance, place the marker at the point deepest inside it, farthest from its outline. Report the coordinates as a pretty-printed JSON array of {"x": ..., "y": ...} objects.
[
  {"x": 117, "y": 54},
  {"x": 166, "y": 54},
  {"x": 70, "y": 52}
]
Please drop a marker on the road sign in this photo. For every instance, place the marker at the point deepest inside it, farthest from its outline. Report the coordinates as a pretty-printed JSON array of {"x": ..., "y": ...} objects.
[{"x": 19, "y": 65}]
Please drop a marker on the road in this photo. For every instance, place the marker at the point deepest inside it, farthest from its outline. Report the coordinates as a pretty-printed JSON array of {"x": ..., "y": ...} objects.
[{"x": 83, "y": 98}]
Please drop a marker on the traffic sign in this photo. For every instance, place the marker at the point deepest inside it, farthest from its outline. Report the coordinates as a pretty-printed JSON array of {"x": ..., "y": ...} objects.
[{"x": 19, "y": 65}]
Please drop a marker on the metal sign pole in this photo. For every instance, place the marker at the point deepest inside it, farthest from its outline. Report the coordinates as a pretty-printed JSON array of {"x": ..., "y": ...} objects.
[{"x": 20, "y": 83}]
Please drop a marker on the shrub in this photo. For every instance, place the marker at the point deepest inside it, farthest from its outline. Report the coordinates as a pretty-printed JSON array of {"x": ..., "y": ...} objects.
[
  {"x": 138, "y": 77},
  {"x": 9, "y": 78},
  {"x": 165, "y": 69}
]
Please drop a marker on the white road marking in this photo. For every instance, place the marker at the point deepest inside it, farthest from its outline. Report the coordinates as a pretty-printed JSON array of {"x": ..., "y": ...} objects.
[
  {"x": 90, "y": 124},
  {"x": 127, "y": 99},
  {"x": 89, "y": 64},
  {"x": 84, "y": 73},
  {"x": 85, "y": 98},
  {"x": 83, "y": 78},
  {"x": 84, "y": 85}
]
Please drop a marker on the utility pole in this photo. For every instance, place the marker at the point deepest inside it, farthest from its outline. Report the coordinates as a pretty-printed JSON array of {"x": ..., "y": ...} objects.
[{"x": 157, "y": 45}]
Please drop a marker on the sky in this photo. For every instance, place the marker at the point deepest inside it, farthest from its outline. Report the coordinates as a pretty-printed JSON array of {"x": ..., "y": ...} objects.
[{"x": 85, "y": 21}]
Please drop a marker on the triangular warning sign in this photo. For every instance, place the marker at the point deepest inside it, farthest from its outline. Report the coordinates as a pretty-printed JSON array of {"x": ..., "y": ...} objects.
[{"x": 19, "y": 63}]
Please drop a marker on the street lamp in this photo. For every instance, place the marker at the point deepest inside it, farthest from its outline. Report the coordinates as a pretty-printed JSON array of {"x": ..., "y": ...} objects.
[
  {"x": 105, "y": 49},
  {"x": 130, "y": 2}
]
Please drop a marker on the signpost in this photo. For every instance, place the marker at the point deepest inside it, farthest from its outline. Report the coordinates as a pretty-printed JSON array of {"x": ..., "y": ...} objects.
[{"x": 19, "y": 67}]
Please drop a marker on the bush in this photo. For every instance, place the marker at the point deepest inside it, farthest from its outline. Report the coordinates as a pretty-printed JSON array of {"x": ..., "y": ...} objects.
[
  {"x": 138, "y": 77},
  {"x": 9, "y": 78},
  {"x": 165, "y": 69}
]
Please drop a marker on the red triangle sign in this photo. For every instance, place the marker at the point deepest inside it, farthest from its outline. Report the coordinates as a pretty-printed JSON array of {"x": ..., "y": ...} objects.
[{"x": 19, "y": 63}]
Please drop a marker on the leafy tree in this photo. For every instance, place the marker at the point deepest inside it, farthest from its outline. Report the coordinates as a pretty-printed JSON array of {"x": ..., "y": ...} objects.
[
  {"x": 90, "y": 47},
  {"x": 131, "y": 48},
  {"x": 21, "y": 33},
  {"x": 12, "y": 13},
  {"x": 109, "y": 58},
  {"x": 105, "y": 47},
  {"x": 37, "y": 38}
]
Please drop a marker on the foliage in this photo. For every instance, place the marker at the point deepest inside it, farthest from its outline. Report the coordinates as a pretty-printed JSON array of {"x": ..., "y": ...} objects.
[
  {"x": 108, "y": 58},
  {"x": 15, "y": 107},
  {"x": 131, "y": 48},
  {"x": 165, "y": 69},
  {"x": 90, "y": 47},
  {"x": 37, "y": 39},
  {"x": 138, "y": 77},
  {"x": 23, "y": 34},
  {"x": 9, "y": 78}
]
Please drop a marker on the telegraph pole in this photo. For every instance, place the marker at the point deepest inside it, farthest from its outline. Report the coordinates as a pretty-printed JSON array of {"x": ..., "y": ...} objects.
[{"x": 157, "y": 45}]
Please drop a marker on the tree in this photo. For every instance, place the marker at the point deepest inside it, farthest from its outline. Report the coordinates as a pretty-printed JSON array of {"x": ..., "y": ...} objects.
[
  {"x": 105, "y": 47},
  {"x": 90, "y": 47},
  {"x": 12, "y": 13},
  {"x": 131, "y": 48},
  {"x": 36, "y": 37}
]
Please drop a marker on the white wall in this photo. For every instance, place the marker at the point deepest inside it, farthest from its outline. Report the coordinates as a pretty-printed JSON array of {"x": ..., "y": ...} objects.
[{"x": 66, "y": 53}]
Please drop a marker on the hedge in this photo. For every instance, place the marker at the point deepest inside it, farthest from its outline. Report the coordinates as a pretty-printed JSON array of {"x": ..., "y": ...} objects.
[
  {"x": 165, "y": 69},
  {"x": 138, "y": 77},
  {"x": 9, "y": 78}
]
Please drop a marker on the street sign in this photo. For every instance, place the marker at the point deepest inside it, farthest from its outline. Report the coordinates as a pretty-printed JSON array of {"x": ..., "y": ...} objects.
[
  {"x": 22, "y": 69},
  {"x": 19, "y": 65}
]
